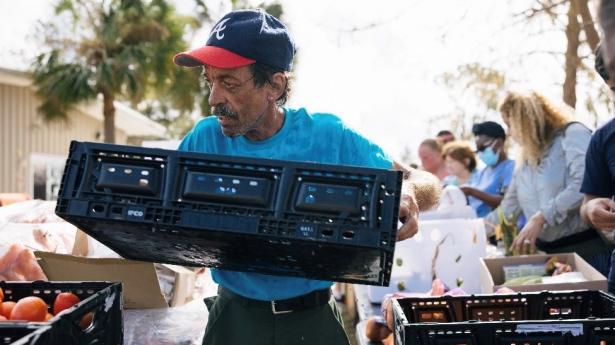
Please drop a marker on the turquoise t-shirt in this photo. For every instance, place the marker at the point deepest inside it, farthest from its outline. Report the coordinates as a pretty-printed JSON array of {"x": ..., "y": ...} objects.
[
  {"x": 320, "y": 138},
  {"x": 492, "y": 180}
]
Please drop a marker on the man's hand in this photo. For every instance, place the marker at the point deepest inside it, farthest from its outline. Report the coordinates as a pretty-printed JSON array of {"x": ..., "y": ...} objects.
[
  {"x": 409, "y": 216},
  {"x": 601, "y": 213},
  {"x": 420, "y": 191}
]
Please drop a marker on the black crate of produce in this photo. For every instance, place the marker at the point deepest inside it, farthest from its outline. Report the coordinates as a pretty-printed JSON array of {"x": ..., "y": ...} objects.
[
  {"x": 102, "y": 301},
  {"x": 18, "y": 333},
  {"x": 258, "y": 215},
  {"x": 547, "y": 318}
]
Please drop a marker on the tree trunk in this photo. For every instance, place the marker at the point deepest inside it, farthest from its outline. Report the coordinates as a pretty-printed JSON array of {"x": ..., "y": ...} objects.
[
  {"x": 109, "y": 117},
  {"x": 572, "y": 56},
  {"x": 588, "y": 24}
]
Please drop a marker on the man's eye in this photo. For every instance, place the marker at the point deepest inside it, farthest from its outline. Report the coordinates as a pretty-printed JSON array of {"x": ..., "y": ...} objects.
[{"x": 228, "y": 86}]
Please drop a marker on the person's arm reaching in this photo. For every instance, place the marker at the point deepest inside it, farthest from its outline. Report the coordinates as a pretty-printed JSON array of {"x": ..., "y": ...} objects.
[
  {"x": 420, "y": 192},
  {"x": 493, "y": 200}
]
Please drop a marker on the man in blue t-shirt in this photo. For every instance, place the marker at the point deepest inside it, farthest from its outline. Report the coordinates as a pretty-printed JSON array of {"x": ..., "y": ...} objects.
[
  {"x": 246, "y": 63},
  {"x": 598, "y": 208},
  {"x": 487, "y": 187}
]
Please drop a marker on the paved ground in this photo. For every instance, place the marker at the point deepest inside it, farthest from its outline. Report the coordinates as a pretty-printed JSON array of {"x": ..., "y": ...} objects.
[{"x": 347, "y": 306}]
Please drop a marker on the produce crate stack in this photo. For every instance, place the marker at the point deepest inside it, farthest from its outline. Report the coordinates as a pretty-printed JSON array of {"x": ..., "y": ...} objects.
[
  {"x": 581, "y": 317},
  {"x": 268, "y": 216},
  {"x": 96, "y": 319}
]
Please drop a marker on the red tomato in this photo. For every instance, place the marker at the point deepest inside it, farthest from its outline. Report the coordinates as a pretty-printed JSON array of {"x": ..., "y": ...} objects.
[
  {"x": 29, "y": 309},
  {"x": 86, "y": 320},
  {"x": 2, "y": 318},
  {"x": 1, "y": 295},
  {"x": 48, "y": 317},
  {"x": 63, "y": 301},
  {"x": 6, "y": 308}
]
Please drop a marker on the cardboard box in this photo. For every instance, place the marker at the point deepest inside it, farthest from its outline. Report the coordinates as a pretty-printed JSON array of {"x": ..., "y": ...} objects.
[
  {"x": 140, "y": 281},
  {"x": 180, "y": 285},
  {"x": 492, "y": 273}
]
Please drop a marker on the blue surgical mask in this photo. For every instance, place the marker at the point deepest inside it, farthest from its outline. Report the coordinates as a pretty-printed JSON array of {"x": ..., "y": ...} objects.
[{"x": 488, "y": 156}]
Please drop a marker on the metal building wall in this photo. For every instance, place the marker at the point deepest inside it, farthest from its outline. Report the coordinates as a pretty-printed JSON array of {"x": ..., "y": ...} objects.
[{"x": 23, "y": 132}]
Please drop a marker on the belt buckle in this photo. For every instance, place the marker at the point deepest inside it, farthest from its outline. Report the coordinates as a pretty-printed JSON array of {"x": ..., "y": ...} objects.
[{"x": 276, "y": 312}]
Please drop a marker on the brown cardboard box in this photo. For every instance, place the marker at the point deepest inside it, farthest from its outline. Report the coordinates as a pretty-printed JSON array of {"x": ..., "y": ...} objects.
[
  {"x": 184, "y": 281},
  {"x": 492, "y": 273},
  {"x": 140, "y": 282}
]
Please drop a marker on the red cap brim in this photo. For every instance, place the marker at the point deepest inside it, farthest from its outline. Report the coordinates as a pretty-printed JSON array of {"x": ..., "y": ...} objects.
[{"x": 211, "y": 56}]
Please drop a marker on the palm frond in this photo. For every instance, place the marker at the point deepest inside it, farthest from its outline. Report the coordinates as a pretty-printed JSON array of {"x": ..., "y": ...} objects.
[{"x": 61, "y": 85}]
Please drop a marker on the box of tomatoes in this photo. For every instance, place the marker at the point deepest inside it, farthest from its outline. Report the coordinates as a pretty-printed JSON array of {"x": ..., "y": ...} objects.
[{"x": 50, "y": 313}]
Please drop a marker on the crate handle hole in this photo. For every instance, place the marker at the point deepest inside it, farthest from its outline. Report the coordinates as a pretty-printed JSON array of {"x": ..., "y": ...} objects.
[
  {"x": 98, "y": 208},
  {"x": 327, "y": 232},
  {"x": 348, "y": 234},
  {"x": 116, "y": 210}
]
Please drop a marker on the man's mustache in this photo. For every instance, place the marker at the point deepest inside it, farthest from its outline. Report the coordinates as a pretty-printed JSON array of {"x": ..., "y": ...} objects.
[{"x": 223, "y": 110}]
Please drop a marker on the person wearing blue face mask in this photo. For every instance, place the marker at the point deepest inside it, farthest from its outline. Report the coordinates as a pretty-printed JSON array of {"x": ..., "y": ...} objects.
[{"x": 487, "y": 187}]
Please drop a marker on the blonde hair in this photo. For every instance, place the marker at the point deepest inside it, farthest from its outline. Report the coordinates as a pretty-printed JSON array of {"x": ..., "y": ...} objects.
[
  {"x": 460, "y": 151},
  {"x": 534, "y": 121}
]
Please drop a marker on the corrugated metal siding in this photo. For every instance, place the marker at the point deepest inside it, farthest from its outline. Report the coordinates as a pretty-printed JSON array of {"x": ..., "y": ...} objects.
[{"x": 23, "y": 132}]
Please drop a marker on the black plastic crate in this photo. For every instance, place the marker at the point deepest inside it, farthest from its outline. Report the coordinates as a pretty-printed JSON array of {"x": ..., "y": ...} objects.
[
  {"x": 11, "y": 332},
  {"x": 268, "y": 216},
  {"x": 532, "y": 318},
  {"x": 102, "y": 299}
]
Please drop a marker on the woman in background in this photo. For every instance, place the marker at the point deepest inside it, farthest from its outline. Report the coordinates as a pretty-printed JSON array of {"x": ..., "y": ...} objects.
[
  {"x": 460, "y": 163},
  {"x": 546, "y": 185}
]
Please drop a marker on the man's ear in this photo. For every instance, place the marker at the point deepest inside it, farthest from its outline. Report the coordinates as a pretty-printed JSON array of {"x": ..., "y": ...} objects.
[{"x": 278, "y": 84}]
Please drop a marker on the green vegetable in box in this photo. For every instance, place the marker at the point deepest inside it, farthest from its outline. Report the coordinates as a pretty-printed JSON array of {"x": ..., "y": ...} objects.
[{"x": 507, "y": 231}]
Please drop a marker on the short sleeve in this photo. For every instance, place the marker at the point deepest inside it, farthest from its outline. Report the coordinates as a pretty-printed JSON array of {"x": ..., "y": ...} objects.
[
  {"x": 359, "y": 151},
  {"x": 596, "y": 180},
  {"x": 186, "y": 143}
]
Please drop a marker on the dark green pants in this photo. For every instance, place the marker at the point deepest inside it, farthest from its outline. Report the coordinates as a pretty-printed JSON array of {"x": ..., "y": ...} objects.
[{"x": 233, "y": 322}]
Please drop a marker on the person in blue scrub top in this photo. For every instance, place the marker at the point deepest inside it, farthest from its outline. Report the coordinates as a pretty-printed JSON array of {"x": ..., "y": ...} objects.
[{"x": 487, "y": 187}]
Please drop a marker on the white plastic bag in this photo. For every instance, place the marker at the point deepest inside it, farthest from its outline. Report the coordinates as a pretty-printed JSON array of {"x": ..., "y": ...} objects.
[
  {"x": 453, "y": 205},
  {"x": 183, "y": 325},
  {"x": 448, "y": 248}
]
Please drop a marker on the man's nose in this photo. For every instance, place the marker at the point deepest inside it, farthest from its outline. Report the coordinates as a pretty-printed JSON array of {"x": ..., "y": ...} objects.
[{"x": 216, "y": 95}]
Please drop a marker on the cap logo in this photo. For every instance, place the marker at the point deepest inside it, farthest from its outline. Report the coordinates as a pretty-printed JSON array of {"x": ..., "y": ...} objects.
[{"x": 219, "y": 28}]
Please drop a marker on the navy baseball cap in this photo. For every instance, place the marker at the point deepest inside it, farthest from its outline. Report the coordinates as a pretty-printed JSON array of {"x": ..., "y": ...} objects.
[
  {"x": 489, "y": 128},
  {"x": 242, "y": 38}
]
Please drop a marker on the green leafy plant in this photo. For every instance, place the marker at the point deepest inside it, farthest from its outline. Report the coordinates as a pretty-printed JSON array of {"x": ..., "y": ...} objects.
[{"x": 506, "y": 231}]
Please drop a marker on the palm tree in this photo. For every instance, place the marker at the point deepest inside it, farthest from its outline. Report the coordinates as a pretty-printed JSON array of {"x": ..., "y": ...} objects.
[{"x": 119, "y": 49}]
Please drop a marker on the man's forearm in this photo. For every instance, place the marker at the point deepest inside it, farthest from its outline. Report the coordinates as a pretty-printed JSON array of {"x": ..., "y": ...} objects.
[{"x": 424, "y": 187}]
